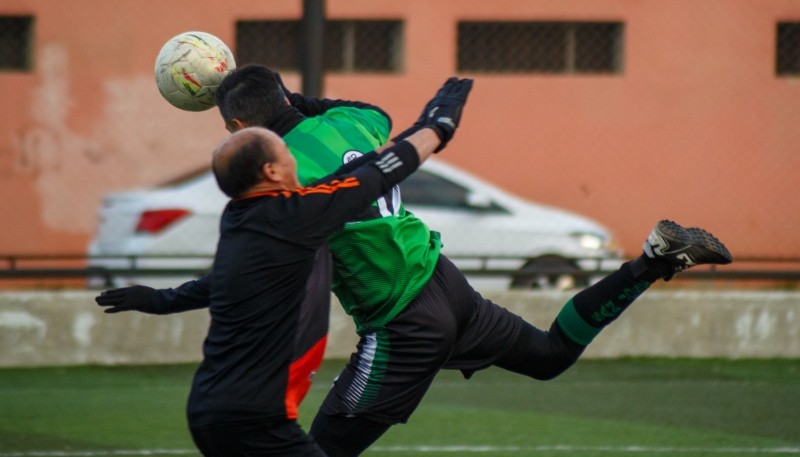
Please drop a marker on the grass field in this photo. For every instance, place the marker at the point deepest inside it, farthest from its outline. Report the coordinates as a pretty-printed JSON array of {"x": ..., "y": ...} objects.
[{"x": 656, "y": 407}]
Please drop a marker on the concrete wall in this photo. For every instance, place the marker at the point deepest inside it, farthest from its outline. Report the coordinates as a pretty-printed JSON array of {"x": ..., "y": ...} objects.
[{"x": 67, "y": 328}]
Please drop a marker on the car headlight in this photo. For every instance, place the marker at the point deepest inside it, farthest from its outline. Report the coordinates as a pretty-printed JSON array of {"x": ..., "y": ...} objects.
[{"x": 590, "y": 241}]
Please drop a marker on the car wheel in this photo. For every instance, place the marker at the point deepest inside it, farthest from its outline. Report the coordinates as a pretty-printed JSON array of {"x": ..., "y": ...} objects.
[{"x": 549, "y": 273}]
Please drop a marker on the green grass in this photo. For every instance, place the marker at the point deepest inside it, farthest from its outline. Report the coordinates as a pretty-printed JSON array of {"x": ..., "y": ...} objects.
[{"x": 598, "y": 408}]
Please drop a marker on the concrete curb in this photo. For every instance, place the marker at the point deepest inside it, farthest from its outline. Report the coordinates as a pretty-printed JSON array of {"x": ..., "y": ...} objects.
[{"x": 68, "y": 328}]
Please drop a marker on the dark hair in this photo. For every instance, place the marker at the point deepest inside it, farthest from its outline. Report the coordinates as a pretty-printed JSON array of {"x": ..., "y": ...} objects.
[
  {"x": 251, "y": 94},
  {"x": 243, "y": 169}
]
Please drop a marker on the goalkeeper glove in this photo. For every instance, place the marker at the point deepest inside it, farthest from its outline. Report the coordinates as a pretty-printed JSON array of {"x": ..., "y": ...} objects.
[
  {"x": 443, "y": 112},
  {"x": 447, "y": 106},
  {"x": 134, "y": 298}
]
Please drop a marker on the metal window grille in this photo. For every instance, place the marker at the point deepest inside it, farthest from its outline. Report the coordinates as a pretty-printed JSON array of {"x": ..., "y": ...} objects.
[
  {"x": 364, "y": 46},
  {"x": 16, "y": 43},
  {"x": 540, "y": 47},
  {"x": 787, "y": 59},
  {"x": 276, "y": 44}
]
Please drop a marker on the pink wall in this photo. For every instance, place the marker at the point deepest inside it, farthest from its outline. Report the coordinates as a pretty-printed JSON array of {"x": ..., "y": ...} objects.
[{"x": 697, "y": 128}]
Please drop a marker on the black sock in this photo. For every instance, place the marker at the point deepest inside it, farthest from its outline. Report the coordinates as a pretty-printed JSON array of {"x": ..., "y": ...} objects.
[
  {"x": 590, "y": 310},
  {"x": 651, "y": 269}
]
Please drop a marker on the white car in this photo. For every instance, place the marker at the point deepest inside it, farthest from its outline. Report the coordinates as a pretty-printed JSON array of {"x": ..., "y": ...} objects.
[{"x": 165, "y": 235}]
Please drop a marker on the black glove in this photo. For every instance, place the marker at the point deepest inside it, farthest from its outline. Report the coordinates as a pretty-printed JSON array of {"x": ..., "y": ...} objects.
[
  {"x": 134, "y": 298},
  {"x": 443, "y": 112},
  {"x": 422, "y": 120}
]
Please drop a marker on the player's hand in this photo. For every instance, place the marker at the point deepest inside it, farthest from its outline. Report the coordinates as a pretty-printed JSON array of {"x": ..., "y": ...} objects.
[
  {"x": 444, "y": 110},
  {"x": 422, "y": 120},
  {"x": 134, "y": 298},
  {"x": 452, "y": 95}
]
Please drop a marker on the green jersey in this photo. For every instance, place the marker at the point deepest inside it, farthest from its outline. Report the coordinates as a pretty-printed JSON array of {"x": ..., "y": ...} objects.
[
  {"x": 320, "y": 143},
  {"x": 380, "y": 265},
  {"x": 383, "y": 259}
]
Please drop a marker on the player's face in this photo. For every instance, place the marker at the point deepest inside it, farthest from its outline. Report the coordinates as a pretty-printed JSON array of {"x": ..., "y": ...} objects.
[{"x": 286, "y": 165}]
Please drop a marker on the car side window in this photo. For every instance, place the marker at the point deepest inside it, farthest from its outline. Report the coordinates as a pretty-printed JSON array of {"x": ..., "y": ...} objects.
[{"x": 427, "y": 189}]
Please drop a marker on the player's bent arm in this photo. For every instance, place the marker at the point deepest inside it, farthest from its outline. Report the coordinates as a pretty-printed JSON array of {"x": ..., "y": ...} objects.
[
  {"x": 322, "y": 209},
  {"x": 421, "y": 143}
]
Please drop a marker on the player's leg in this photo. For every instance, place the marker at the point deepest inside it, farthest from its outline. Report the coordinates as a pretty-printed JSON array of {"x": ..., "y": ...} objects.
[
  {"x": 342, "y": 436},
  {"x": 669, "y": 249},
  {"x": 387, "y": 377},
  {"x": 255, "y": 438},
  {"x": 496, "y": 336},
  {"x": 349, "y": 419}
]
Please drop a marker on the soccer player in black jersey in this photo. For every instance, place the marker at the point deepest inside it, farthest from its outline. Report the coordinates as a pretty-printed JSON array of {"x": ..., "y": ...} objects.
[{"x": 270, "y": 232}]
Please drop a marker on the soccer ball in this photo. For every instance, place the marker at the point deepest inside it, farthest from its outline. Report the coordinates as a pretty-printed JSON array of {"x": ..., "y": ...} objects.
[{"x": 189, "y": 68}]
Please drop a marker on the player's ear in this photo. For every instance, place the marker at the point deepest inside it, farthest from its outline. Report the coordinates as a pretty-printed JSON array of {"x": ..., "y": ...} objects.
[
  {"x": 269, "y": 172},
  {"x": 236, "y": 125}
]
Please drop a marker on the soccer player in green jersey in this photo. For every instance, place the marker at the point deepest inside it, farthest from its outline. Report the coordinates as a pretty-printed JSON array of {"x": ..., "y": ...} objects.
[
  {"x": 384, "y": 257},
  {"x": 416, "y": 313}
]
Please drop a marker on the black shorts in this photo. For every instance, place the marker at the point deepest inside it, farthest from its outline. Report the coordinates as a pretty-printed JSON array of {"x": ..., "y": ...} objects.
[
  {"x": 255, "y": 438},
  {"x": 448, "y": 325}
]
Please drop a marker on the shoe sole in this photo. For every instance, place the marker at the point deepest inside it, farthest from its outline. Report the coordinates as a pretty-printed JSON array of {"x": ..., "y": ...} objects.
[{"x": 695, "y": 236}]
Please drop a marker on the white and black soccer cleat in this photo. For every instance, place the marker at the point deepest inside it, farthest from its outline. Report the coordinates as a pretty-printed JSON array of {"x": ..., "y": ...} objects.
[{"x": 684, "y": 248}]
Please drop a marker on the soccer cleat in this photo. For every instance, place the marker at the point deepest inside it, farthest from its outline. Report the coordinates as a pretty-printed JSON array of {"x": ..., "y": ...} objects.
[{"x": 684, "y": 248}]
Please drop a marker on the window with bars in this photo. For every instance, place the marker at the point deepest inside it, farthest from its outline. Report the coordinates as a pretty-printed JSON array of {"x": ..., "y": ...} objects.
[
  {"x": 787, "y": 58},
  {"x": 16, "y": 43},
  {"x": 540, "y": 47},
  {"x": 357, "y": 46}
]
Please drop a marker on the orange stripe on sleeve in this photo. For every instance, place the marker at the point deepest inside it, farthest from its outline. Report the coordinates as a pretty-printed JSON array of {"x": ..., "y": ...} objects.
[{"x": 328, "y": 188}]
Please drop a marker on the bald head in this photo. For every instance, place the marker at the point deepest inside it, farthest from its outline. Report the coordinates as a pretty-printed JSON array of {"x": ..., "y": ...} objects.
[{"x": 253, "y": 159}]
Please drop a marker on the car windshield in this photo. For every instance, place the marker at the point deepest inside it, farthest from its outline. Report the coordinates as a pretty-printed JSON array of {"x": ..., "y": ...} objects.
[{"x": 427, "y": 189}]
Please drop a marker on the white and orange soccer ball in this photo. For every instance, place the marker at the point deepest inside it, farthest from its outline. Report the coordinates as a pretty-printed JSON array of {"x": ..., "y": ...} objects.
[{"x": 189, "y": 68}]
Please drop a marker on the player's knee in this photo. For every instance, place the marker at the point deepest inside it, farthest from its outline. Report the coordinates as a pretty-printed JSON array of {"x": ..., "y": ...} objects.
[{"x": 541, "y": 355}]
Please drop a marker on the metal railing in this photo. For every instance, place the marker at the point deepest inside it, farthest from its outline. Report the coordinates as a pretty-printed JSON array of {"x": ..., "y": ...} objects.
[{"x": 76, "y": 266}]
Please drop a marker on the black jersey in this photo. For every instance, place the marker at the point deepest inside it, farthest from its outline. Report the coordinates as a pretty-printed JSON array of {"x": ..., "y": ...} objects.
[{"x": 264, "y": 258}]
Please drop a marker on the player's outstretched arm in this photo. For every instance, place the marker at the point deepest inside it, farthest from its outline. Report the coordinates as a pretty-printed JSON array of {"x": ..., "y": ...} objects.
[
  {"x": 188, "y": 296},
  {"x": 373, "y": 175},
  {"x": 432, "y": 131},
  {"x": 441, "y": 116}
]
